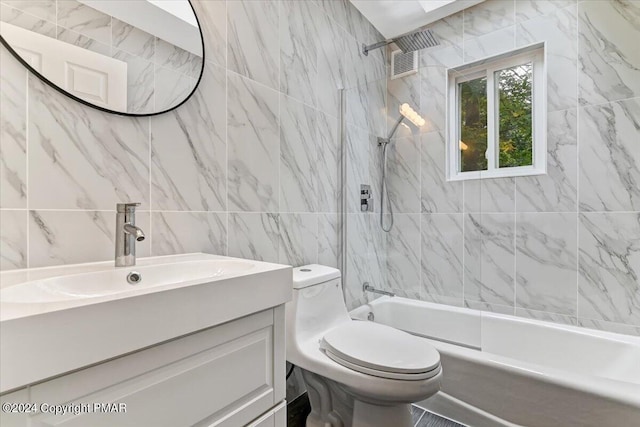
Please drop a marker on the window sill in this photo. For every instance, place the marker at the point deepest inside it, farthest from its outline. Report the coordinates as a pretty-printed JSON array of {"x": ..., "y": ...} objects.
[{"x": 498, "y": 173}]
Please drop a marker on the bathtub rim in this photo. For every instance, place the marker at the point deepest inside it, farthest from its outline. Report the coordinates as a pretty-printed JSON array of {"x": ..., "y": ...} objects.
[{"x": 606, "y": 388}]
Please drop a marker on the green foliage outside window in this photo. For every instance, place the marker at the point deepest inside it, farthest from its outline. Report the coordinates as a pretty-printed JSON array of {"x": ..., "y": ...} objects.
[
  {"x": 473, "y": 126},
  {"x": 515, "y": 127}
]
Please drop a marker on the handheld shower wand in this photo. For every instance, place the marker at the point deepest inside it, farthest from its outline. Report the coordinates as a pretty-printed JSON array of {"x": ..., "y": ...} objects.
[{"x": 406, "y": 112}]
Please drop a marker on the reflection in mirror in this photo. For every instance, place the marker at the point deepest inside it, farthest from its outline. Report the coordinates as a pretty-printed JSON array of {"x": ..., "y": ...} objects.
[{"x": 128, "y": 56}]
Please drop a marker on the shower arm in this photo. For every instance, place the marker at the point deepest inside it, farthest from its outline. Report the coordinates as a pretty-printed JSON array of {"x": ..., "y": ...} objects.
[
  {"x": 367, "y": 48},
  {"x": 393, "y": 131}
]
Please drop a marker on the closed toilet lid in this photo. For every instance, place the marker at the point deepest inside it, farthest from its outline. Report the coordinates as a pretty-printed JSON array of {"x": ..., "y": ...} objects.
[{"x": 380, "y": 348}]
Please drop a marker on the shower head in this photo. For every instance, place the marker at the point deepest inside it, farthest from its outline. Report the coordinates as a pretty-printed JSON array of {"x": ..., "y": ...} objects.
[
  {"x": 410, "y": 42},
  {"x": 406, "y": 112}
]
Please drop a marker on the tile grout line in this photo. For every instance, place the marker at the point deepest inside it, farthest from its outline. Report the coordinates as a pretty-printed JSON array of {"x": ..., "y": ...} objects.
[{"x": 577, "y": 6}]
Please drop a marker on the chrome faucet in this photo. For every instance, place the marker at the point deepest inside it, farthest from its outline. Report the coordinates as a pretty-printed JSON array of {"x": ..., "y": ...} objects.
[
  {"x": 127, "y": 234},
  {"x": 366, "y": 287}
]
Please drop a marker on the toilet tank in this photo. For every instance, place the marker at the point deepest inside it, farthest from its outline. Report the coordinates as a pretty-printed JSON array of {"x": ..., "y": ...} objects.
[{"x": 317, "y": 304}]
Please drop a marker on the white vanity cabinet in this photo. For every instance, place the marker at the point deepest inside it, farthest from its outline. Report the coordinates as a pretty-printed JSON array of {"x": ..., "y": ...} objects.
[{"x": 228, "y": 375}]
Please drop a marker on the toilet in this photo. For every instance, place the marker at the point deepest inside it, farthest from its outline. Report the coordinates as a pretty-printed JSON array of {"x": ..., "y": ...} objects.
[{"x": 357, "y": 373}]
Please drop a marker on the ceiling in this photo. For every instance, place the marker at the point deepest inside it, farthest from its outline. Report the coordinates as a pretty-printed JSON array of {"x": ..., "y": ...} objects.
[{"x": 396, "y": 17}]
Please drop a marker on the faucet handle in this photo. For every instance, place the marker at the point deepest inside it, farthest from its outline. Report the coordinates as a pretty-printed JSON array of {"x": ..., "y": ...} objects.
[{"x": 127, "y": 207}]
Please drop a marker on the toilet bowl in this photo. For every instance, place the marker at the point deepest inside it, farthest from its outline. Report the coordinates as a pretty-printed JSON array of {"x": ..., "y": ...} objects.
[{"x": 357, "y": 373}]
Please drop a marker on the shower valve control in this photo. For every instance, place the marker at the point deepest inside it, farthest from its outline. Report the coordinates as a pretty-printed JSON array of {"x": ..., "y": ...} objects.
[{"x": 366, "y": 202}]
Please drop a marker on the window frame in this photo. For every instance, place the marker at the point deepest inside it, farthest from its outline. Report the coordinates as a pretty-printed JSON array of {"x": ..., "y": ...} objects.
[{"x": 487, "y": 67}]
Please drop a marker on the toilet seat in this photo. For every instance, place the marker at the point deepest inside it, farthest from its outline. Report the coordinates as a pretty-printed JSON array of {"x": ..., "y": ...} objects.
[{"x": 382, "y": 351}]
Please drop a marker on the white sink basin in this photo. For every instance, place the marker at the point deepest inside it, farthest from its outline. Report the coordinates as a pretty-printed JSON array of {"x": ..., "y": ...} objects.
[
  {"x": 79, "y": 315},
  {"x": 114, "y": 281}
]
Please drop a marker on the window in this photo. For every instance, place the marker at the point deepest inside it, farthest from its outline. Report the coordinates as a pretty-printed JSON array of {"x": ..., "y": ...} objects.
[{"x": 496, "y": 116}]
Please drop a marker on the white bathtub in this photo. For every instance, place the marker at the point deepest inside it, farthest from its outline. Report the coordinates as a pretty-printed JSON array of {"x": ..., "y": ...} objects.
[{"x": 504, "y": 370}]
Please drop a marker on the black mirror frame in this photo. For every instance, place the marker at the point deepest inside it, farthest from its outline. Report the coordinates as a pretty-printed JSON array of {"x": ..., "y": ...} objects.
[{"x": 106, "y": 110}]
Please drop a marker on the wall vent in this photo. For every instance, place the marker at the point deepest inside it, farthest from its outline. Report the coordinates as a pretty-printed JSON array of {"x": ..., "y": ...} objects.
[{"x": 403, "y": 64}]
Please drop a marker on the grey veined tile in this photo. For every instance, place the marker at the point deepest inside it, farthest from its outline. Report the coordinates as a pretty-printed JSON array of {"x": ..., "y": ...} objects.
[
  {"x": 93, "y": 160},
  {"x": 85, "y": 20},
  {"x": 188, "y": 150},
  {"x": 13, "y": 239},
  {"x": 557, "y": 190},
  {"x": 132, "y": 39},
  {"x": 609, "y": 153},
  {"x": 212, "y": 15},
  {"x": 298, "y": 239},
  {"x": 546, "y": 262},
  {"x": 254, "y": 236},
  {"x": 45, "y": 9},
  {"x": 608, "y": 50},
  {"x": 489, "y": 268},
  {"x": 438, "y": 194},
  {"x": 27, "y": 21},
  {"x": 441, "y": 253},
  {"x": 299, "y": 50},
  {"x": 71, "y": 237},
  {"x": 254, "y": 152},
  {"x": 609, "y": 269},
  {"x": 13, "y": 132},
  {"x": 487, "y": 17},
  {"x": 252, "y": 45},
  {"x": 298, "y": 156},
  {"x": 185, "y": 232}
]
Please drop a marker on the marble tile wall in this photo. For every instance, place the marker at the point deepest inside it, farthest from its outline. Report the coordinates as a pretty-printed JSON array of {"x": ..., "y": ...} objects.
[
  {"x": 248, "y": 167},
  {"x": 160, "y": 74},
  {"x": 564, "y": 246}
]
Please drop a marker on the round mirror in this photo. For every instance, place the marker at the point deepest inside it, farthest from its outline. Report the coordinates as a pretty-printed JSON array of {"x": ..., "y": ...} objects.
[{"x": 130, "y": 57}]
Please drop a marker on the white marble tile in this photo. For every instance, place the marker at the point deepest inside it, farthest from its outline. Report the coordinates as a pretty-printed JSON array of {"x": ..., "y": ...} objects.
[
  {"x": 253, "y": 140},
  {"x": 608, "y": 51},
  {"x": 609, "y": 153},
  {"x": 171, "y": 88},
  {"x": 44, "y": 9},
  {"x": 328, "y": 167},
  {"x": 403, "y": 174},
  {"x": 299, "y": 50},
  {"x": 529, "y": 9},
  {"x": 132, "y": 40},
  {"x": 489, "y": 252},
  {"x": 617, "y": 328},
  {"x": 92, "y": 159},
  {"x": 441, "y": 255},
  {"x": 13, "y": 239},
  {"x": 298, "y": 239},
  {"x": 357, "y": 249},
  {"x": 438, "y": 194},
  {"x": 71, "y": 237},
  {"x": 376, "y": 107},
  {"x": 252, "y": 45},
  {"x": 332, "y": 66},
  {"x": 609, "y": 267},
  {"x": 298, "y": 156},
  {"x": 546, "y": 262},
  {"x": 401, "y": 91},
  {"x": 490, "y": 44},
  {"x": 141, "y": 93},
  {"x": 212, "y": 16},
  {"x": 187, "y": 232},
  {"x": 484, "y": 306},
  {"x": 440, "y": 299},
  {"x": 329, "y": 244},
  {"x": 85, "y": 20},
  {"x": 402, "y": 253},
  {"x": 559, "y": 31},
  {"x": 27, "y": 21},
  {"x": 168, "y": 55},
  {"x": 254, "y": 236},
  {"x": 358, "y": 142},
  {"x": 433, "y": 101},
  {"x": 546, "y": 316},
  {"x": 77, "y": 39},
  {"x": 557, "y": 190},
  {"x": 13, "y": 132},
  {"x": 488, "y": 16},
  {"x": 188, "y": 150},
  {"x": 490, "y": 195}
]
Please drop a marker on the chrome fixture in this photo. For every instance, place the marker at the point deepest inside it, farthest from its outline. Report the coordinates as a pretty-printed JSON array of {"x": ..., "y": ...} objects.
[
  {"x": 127, "y": 234},
  {"x": 134, "y": 278},
  {"x": 371, "y": 317},
  {"x": 406, "y": 112},
  {"x": 366, "y": 287},
  {"x": 410, "y": 42},
  {"x": 366, "y": 202}
]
